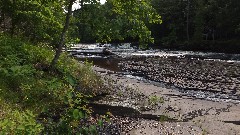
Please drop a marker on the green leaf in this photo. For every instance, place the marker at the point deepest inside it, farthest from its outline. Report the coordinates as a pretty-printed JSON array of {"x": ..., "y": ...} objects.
[
  {"x": 70, "y": 95},
  {"x": 71, "y": 80},
  {"x": 20, "y": 127},
  {"x": 65, "y": 100},
  {"x": 81, "y": 115},
  {"x": 76, "y": 114}
]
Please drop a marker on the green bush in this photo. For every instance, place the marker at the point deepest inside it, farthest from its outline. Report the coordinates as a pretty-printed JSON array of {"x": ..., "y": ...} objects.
[{"x": 20, "y": 123}]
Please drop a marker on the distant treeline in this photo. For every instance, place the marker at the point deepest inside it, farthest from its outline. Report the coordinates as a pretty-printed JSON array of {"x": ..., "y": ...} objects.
[{"x": 204, "y": 25}]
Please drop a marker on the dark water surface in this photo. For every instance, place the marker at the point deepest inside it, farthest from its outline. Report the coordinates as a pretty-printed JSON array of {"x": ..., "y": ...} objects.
[{"x": 109, "y": 63}]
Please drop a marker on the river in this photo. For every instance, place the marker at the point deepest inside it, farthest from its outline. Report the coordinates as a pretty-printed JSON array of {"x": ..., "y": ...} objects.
[{"x": 210, "y": 76}]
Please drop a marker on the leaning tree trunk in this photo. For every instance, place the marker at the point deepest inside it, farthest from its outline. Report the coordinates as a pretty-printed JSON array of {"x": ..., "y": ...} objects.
[{"x": 63, "y": 35}]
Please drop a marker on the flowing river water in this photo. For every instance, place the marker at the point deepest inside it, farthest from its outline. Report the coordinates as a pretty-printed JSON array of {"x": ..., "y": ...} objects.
[{"x": 210, "y": 76}]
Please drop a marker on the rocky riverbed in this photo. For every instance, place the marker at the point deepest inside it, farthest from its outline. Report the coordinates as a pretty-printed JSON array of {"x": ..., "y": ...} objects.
[{"x": 190, "y": 75}]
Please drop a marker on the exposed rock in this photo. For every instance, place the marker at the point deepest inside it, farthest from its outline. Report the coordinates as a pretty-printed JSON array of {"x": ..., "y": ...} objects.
[{"x": 187, "y": 73}]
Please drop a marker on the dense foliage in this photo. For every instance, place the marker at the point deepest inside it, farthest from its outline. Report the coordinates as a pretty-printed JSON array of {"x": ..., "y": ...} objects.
[
  {"x": 34, "y": 100},
  {"x": 38, "y": 21},
  {"x": 117, "y": 20},
  {"x": 211, "y": 25}
]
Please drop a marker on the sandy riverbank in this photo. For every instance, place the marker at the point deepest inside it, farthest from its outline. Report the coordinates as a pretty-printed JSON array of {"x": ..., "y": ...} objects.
[{"x": 192, "y": 116}]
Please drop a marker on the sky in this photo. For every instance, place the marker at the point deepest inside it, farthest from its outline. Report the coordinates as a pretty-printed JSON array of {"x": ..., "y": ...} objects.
[
  {"x": 102, "y": 1},
  {"x": 77, "y": 6}
]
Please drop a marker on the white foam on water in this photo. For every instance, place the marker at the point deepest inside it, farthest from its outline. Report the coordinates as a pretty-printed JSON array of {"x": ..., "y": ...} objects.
[
  {"x": 155, "y": 53},
  {"x": 88, "y": 56}
]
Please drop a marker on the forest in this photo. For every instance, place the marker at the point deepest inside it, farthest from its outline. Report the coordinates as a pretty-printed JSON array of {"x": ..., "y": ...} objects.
[
  {"x": 199, "y": 25},
  {"x": 43, "y": 90},
  {"x": 181, "y": 24}
]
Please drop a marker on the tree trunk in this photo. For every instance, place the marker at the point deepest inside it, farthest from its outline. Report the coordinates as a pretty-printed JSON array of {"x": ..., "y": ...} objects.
[
  {"x": 13, "y": 27},
  {"x": 13, "y": 20},
  {"x": 188, "y": 21},
  {"x": 81, "y": 4},
  {"x": 213, "y": 35},
  {"x": 4, "y": 21},
  {"x": 63, "y": 35}
]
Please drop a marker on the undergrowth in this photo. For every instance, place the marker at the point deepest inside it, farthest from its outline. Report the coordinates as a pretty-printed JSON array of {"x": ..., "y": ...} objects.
[{"x": 35, "y": 100}]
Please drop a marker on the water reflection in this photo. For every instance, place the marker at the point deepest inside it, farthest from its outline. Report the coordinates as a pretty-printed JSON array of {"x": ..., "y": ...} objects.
[{"x": 110, "y": 63}]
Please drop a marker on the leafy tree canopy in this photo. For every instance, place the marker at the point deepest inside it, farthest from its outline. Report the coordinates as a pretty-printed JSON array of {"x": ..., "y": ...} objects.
[
  {"x": 37, "y": 20},
  {"x": 118, "y": 20}
]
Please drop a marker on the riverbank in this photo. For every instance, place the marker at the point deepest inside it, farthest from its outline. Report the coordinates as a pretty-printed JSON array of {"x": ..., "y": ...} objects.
[{"x": 191, "y": 115}]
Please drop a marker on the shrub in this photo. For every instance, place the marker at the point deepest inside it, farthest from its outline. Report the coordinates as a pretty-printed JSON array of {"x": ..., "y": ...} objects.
[
  {"x": 20, "y": 123},
  {"x": 26, "y": 84}
]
